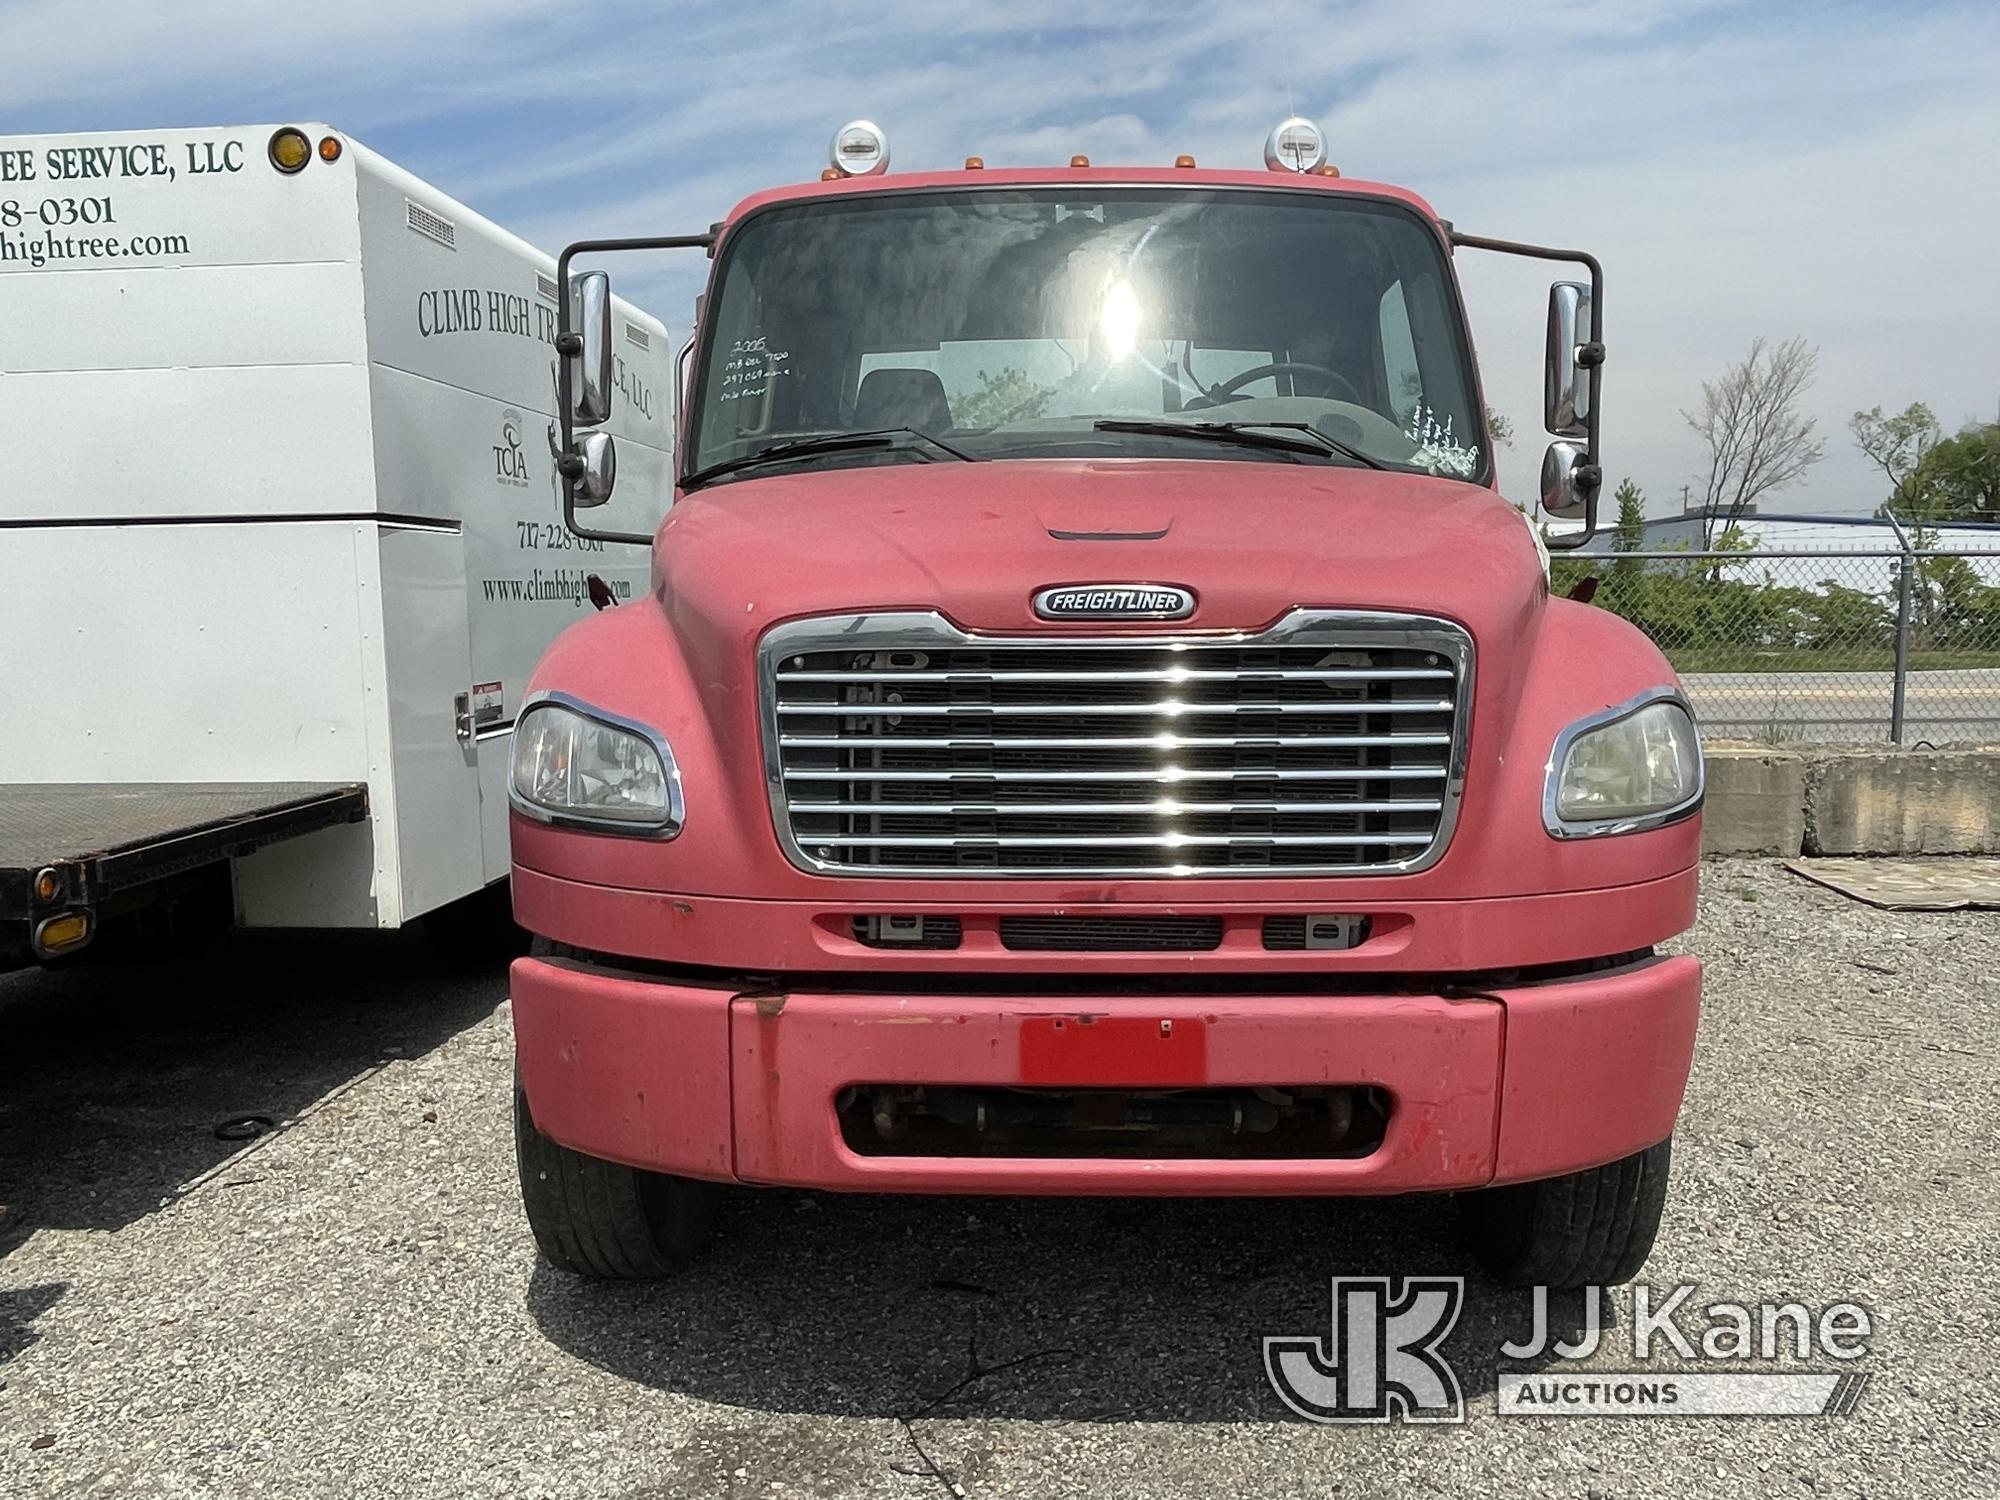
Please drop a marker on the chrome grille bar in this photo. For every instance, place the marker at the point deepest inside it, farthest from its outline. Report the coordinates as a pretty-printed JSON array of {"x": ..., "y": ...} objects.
[
  {"x": 1160, "y": 777},
  {"x": 1105, "y": 809},
  {"x": 1165, "y": 740},
  {"x": 899, "y": 745},
  {"x": 1169, "y": 709},
  {"x": 1163, "y": 674},
  {"x": 1094, "y": 841}
]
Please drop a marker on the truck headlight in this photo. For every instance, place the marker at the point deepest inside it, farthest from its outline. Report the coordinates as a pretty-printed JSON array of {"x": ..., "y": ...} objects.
[
  {"x": 1637, "y": 766},
  {"x": 581, "y": 767}
]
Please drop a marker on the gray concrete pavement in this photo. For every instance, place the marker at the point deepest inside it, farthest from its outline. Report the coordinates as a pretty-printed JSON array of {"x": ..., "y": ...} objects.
[
  {"x": 354, "y": 1306},
  {"x": 1952, "y": 707}
]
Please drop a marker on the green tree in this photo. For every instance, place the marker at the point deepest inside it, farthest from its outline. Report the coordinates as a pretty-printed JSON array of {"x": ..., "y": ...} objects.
[
  {"x": 1958, "y": 478},
  {"x": 1007, "y": 397},
  {"x": 1897, "y": 444},
  {"x": 1630, "y": 534},
  {"x": 1952, "y": 608},
  {"x": 1501, "y": 427},
  {"x": 1835, "y": 617}
]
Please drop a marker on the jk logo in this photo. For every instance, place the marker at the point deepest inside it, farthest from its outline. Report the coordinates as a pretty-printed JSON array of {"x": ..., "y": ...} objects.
[{"x": 1382, "y": 1359}]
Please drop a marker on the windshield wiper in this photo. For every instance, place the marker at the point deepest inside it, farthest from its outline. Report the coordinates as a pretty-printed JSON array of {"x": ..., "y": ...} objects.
[
  {"x": 823, "y": 442},
  {"x": 1248, "y": 434}
]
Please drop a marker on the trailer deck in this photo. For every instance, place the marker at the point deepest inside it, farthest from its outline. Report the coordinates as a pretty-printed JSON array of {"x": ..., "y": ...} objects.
[{"x": 69, "y": 847}]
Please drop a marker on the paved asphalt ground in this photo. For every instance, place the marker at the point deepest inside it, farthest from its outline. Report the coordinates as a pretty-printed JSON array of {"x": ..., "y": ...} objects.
[
  {"x": 354, "y": 1306},
  {"x": 1949, "y": 707}
]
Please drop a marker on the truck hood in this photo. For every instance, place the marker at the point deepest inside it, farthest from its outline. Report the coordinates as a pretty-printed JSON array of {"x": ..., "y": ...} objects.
[{"x": 977, "y": 542}]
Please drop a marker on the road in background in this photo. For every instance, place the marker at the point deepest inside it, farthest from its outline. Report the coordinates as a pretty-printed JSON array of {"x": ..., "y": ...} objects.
[
  {"x": 353, "y": 1305},
  {"x": 1954, "y": 707}
]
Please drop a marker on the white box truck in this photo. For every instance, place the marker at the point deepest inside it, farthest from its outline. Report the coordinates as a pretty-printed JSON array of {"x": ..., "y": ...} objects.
[{"x": 280, "y": 533}]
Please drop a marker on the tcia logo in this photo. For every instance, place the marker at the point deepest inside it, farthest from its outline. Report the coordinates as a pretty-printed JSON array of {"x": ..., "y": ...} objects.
[
  {"x": 510, "y": 466},
  {"x": 1115, "y": 601}
]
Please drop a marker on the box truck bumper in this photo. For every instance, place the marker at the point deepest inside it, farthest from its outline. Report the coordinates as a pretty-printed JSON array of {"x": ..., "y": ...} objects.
[{"x": 1452, "y": 1090}]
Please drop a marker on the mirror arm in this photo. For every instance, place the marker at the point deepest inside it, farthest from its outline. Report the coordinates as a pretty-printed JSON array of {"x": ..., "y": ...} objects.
[
  {"x": 569, "y": 343},
  {"x": 1589, "y": 357}
]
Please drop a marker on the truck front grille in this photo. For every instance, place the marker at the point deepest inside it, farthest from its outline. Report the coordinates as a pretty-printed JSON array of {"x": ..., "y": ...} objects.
[
  {"x": 1111, "y": 934},
  {"x": 1331, "y": 744}
]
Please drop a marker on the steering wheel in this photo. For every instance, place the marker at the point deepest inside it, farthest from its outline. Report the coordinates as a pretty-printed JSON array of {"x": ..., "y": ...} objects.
[{"x": 1228, "y": 389}]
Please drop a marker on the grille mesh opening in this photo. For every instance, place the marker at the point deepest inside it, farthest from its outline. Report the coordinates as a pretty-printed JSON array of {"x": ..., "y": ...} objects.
[
  {"x": 1111, "y": 934},
  {"x": 1158, "y": 756}
]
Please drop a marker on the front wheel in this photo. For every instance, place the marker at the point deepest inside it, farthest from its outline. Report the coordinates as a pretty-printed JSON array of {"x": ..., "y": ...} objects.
[
  {"x": 602, "y": 1219},
  {"x": 1590, "y": 1228}
]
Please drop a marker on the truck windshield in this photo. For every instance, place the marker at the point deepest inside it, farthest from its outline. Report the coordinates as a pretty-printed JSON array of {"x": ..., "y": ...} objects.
[{"x": 1011, "y": 322}]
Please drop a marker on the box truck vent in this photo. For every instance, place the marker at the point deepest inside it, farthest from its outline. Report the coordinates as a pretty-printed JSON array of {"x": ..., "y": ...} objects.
[
  {"x": 637, "y": 336},
  {"x": 432, "y": 226},
  {"x": 545, "y": 286},
  {"x": 1330, "y": 745}
]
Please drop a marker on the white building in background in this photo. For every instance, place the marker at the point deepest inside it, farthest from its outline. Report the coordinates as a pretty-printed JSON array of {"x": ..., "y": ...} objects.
[{"x": 1780, "y": 532}]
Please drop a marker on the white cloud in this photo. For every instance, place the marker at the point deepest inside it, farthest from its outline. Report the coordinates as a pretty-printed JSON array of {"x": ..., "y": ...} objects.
[{"x": 1739, "y": 168}]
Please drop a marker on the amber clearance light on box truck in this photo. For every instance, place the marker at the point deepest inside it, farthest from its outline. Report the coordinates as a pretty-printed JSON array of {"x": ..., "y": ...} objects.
[{"x": 289, "y": 150}]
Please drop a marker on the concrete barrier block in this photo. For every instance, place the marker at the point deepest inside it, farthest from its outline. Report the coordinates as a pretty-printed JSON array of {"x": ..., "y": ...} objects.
[
  {"x": 1904, "y": 802},
  {"x": 1756, "y": 801}
]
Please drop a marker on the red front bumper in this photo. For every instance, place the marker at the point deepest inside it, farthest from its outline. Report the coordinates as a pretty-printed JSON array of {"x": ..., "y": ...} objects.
[{"x": 1516, "y": 1084}]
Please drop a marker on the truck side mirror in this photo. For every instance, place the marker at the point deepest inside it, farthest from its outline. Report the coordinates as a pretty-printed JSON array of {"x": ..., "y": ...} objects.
[
  {"x": 590, "y": 369},
  {"x": 1566, "y": 381},
  {"x": 1563, "y": 495},
  {"x": 586, "y": 463},
  {"x": 681, "y": 363},
  {"x": 594, "y": 481}
]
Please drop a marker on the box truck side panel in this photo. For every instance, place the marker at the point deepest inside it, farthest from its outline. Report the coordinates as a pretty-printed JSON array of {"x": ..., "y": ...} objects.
[
  {"x": 461, "y": 320},
  {"x": 197, "y": 653},
  {"x": 97, "y": 700},
  {"x": 166, "y": 198},
  {"x": 438, "y": 450},
  {"x": 212, "y": 349},
  {"x": 194, "y": 310},
  {"x": 427, "y": 664},
  {"x": 191, "y": 443},
  {"x": 275, "y": 485},
  {"x": 201, "y": 317}
]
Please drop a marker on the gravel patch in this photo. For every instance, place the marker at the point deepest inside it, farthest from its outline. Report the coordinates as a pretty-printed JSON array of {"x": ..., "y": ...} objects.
[{"x": 351, "y": 1304}]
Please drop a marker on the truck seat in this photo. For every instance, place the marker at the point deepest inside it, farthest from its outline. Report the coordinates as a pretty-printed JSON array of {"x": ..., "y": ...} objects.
[{"x": 902, "y": 398}]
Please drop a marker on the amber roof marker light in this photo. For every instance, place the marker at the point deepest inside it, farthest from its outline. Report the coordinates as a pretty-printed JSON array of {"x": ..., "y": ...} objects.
[
  {"x": 289, "y": 150},
  {"x": 329, "y": 148}
]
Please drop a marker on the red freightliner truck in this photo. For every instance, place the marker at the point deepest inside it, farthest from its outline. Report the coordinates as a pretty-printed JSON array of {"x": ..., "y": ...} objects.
[{"x": 1096, "y": 728}]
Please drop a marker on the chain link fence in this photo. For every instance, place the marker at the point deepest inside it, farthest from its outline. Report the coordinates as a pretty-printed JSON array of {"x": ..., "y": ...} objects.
[{"x": 1787, "y": 645}]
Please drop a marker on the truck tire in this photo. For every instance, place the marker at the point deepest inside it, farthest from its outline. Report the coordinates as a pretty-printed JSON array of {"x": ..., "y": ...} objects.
[
  {"x": 601, "y": 1219},
  {"x": 1592, "y": 1228}
]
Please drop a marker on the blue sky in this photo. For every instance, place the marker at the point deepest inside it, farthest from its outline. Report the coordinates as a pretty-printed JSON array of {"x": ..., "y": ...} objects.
[{"x": 1818, "y": 169}]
